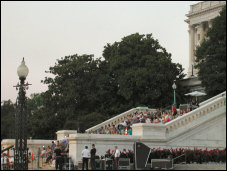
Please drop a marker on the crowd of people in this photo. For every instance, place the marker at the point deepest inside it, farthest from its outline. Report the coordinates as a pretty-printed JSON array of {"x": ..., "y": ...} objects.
[
  {"x": 160, "y": 116},
  {"x": 53, "y": 154}
]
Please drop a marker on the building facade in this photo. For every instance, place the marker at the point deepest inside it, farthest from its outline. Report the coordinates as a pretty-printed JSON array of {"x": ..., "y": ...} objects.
[{"x": 200, "y": 19}]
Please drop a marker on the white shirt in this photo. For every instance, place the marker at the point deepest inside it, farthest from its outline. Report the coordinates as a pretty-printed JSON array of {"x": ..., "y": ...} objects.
[
  {"x": 86, "y": 153},
  {"x": 148, "y": 120},
  {"x": 117, "y": 153},
  {"x": 43, "y": 152}
]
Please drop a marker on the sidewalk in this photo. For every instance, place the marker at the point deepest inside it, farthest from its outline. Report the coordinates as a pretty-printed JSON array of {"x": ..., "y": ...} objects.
[{"x": 44, "y": 166}]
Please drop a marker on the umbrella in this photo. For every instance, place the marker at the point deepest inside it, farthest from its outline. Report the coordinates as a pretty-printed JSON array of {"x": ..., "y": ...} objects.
[{"x": 195, "y": 93}]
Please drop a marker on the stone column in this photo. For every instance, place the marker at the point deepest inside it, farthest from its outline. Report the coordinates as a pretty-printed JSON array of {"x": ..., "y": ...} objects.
[
  {"x": 191, "y": 32},
  {"x": 201, "y": 32},
  {"x": 210, "y": 23}
]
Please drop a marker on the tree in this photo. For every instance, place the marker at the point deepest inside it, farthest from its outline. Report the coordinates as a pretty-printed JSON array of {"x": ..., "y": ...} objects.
[
  {"x": 8, "y": 110},
  {"x": 134, "y": 72},
  {"x": 142, "y": 71},
  {"x": 211, "y": 57}
]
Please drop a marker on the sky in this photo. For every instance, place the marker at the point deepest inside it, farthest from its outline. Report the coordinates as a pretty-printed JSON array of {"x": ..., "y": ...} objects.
[{"x": 44, "y": 31}]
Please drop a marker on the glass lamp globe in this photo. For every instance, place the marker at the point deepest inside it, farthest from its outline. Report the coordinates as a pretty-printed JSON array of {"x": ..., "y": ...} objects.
[
  {"x": 22, "y": 70},
  {"x": 174, "y": 86}
]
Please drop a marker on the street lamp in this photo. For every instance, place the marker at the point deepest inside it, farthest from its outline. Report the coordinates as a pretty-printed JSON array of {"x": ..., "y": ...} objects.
[
  {"x": 174, "y": 88},
  {"x": 21, "y": 150},
  {"x": 192, "y": 69}
]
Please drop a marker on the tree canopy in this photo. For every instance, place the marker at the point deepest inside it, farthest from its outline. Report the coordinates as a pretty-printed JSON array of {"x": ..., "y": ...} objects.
[
  {"x": 211, "y": 57},
  {"x": 137, "y": 71}
]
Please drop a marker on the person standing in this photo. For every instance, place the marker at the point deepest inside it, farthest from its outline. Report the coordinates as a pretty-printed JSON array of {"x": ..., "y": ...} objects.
[
  {"x": 38, "y": 154},
  {"x": 117, "y": 155},
  {"x": 53, "y": 146},
  {"x": 58, "y": 158},
  {"x": 93, "y": 152},
  {"x": 85, "y": 154}
]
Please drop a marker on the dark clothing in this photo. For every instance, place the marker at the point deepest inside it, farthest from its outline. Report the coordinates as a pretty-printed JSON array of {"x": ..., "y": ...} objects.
[
  {"x": 59, "y": 162},
  {"x": 195, "y": 103},
  {"x": 58, "y": 152},
  {"x": 93, "y": 152},
  {"x": 48, "y": 159},
  {"x": 59, "y": 159},
  {"x": 116, "y": 162},
  {"x": 85, "y": 161},
  {"x": 93, "y": 165}
]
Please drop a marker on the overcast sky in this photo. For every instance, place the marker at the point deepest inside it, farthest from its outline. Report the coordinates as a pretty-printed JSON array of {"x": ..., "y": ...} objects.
[{"x": 43, "y": 32}]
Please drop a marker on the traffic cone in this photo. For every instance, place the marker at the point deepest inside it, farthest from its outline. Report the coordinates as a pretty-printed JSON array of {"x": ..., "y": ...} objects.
[{"x": 126, "y": 131}]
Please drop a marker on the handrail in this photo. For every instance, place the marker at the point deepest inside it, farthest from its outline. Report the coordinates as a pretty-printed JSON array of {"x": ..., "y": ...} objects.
[
  {"x": 180, "y": 156},
  {"x": 211, "y": 99},
  {"x": 119, "y": 117},
  {"x": 111, "y": 119},
  {"x": 115, "y": 119},
  {"x": 216, "y": 105}
]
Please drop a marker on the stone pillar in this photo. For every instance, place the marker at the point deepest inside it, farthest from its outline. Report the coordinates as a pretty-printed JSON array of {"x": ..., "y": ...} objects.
[
  {"x": 210, "y": 23},
  {"x": 191, "y": 32},
  {"x": 201, "y": 33}
]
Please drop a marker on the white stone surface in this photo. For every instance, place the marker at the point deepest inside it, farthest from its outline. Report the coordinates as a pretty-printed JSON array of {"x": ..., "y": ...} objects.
[
  {"x": 200, "y": 19},
  {"x": 62, "y": 134}
]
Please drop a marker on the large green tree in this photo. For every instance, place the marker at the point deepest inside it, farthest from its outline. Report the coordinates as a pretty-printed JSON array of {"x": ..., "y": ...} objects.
[
  {"x": 134, "y": 72},
  {"x": 142, "y": 71},
  {"x": 211, "y": 57}
]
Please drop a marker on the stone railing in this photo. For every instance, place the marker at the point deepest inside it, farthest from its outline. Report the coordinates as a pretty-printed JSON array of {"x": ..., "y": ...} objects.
[
  {"x": 208, "y": 111},
  {"x": 117, "y": 119},
  {"x": 213, "y": 98},
  {"x": 205, "y": 5}
]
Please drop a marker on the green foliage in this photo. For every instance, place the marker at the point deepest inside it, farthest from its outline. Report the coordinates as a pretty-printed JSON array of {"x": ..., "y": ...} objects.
[
  {"x": 7, "y": 119},
  {"x": 134, "y": 72},
  {"x": 142, "y": 71},
  {"x": 211, "y": 56}
]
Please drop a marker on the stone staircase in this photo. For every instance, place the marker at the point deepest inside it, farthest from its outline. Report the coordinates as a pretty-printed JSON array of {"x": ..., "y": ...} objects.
[
  {"x": 171, "y": 125},
  {"x": 204, "y": 127},
  {"x": 117, "y": 119}
]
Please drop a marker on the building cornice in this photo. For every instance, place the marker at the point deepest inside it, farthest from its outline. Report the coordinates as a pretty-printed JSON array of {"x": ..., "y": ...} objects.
[{"x": 205, "y": 10}]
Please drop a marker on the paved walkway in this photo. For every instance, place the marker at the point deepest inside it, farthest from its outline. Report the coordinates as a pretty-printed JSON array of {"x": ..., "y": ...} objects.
[{"x": 42, "y": 166}]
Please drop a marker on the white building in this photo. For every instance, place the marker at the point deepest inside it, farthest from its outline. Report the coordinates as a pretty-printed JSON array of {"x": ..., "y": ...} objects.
[{"x": 200, "y": 18}]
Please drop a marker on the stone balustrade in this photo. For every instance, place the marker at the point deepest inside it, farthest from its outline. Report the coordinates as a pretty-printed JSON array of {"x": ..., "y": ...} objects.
[
  {"x": 205, "y": 5},
  {"x": 209, "y": 111},
  {"x": 213, "y": 98},
  {"x": 117, "y": 119}
]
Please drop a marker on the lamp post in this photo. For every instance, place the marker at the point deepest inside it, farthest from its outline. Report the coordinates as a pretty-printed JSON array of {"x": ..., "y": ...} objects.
[
  {"x": 192, "y": 69},
  {"x": 174, "y": 88},
  {"x": 21, "y": 150}
]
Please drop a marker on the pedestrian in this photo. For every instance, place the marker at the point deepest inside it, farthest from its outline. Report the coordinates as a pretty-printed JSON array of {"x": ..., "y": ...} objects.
[
  {"x": 130, "y": 131},
  {"x": 117, "y": 155},
  {"x": 59, "y": 153},
  {"x": 53, "y": 146},
  {"x": 38, "y": 154},
  {"x": 85, "y": 154},
  {"x": 93, "y": 152}
]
